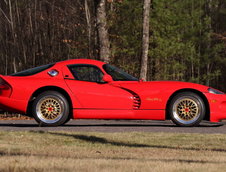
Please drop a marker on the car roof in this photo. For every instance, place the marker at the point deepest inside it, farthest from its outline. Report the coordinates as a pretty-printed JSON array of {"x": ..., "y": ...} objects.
[{"x": 81, "y": 61}]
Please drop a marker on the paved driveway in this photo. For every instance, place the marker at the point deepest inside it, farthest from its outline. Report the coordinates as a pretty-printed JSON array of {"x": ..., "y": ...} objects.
[{"x": 112, "y": 126}]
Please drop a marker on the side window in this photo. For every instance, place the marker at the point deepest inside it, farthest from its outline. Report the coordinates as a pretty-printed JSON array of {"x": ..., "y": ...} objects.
[{"x": 86, "y": 73}]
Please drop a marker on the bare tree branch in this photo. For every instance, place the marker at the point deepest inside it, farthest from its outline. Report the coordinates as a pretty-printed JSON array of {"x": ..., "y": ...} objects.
[{"x": 5, "y": 16}]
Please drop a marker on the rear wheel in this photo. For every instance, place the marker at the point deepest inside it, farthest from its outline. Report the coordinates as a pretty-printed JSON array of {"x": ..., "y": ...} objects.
[
  {"x": 50, "y": 108},
  {"x": 187, "y": 109}
]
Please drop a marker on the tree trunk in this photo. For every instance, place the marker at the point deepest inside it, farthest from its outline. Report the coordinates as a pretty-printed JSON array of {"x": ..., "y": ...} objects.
[
  {"x": 104, "y": 45},
  {"x": 145, "y": 40},
  {"x": 89, "y": 26},
  {"x": 13, "y": 36}
]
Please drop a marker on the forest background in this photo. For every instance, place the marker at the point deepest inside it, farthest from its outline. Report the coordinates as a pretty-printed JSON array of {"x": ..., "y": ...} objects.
[{"x": 187, "y": 38}]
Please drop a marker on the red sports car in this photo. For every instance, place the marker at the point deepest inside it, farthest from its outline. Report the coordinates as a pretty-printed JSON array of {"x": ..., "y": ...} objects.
[{"x": 90, "y": 89}]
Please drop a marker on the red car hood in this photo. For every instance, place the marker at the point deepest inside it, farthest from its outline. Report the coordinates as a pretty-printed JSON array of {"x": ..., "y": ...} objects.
[
  {"x": 155, "y": 94},
  {"x": 161, "y": 86}
]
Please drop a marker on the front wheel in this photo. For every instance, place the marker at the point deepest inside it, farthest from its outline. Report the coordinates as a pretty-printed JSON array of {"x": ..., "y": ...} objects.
[
  {"x": 50, "y": 108},
  {"x": 187, "y": 109}
]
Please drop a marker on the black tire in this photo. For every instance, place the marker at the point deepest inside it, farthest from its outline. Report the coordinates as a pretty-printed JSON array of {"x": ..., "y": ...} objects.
[
  {"x": 50, "y": 108},
  {"x": 187, "y": 109}
]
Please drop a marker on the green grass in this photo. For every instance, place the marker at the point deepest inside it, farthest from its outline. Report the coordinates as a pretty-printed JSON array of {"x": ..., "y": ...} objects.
[{"x": 73, "y": 151}]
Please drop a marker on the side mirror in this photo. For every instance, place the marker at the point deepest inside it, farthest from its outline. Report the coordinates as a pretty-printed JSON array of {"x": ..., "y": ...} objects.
[{"x": 107, "y": 78}]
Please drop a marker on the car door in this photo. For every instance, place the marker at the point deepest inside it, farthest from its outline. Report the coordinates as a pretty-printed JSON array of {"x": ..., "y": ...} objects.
[{"x": 92, "y": 93}]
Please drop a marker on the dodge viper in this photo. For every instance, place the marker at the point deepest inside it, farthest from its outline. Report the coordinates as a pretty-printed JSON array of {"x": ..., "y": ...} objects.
[{"x": 90, "y": 89}]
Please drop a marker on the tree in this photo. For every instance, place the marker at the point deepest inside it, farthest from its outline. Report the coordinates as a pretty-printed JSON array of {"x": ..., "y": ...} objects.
[
  {"x": 104, "y": 45},
  {"x": 145, "y": 40}
]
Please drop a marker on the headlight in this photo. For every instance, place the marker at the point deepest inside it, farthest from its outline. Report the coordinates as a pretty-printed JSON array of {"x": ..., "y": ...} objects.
[{"x": 214, "y": 91}]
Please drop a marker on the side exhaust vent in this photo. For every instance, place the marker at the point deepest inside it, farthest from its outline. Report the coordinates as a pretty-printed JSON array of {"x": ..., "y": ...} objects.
[
  {"x": 136, "y": 99},
  {"x": 136, "y": 102}
]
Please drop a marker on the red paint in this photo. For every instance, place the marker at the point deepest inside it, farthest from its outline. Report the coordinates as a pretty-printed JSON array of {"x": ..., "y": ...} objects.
[{"x": 110, "y": 100}]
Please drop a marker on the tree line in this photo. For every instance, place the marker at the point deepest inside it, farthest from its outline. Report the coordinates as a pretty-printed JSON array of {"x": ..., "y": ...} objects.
[{"x": 185, "y": 40}]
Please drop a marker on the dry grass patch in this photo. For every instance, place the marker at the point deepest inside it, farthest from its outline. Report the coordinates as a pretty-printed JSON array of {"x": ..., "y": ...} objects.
[{"x": 72, "y": 151}]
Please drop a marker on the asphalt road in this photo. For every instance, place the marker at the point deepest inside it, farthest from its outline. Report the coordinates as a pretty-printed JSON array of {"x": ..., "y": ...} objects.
[{"x": 113, "y": 126}]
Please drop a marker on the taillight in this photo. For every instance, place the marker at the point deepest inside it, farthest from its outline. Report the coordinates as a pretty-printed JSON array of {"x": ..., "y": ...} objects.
[{"x": 5, "y": 89}]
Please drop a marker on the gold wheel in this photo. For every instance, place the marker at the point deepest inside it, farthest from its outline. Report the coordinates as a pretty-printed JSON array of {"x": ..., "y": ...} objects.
[
  {"x": 50, "y": 108},
  {"x": 187, "y": 109}
]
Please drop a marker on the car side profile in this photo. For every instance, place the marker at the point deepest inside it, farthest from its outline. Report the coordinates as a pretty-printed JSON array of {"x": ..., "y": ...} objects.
[{"x": 91, "y": 89}]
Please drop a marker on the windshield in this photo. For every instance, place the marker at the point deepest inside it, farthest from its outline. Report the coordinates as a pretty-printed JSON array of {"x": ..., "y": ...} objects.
[
  {"x": 117, "y": 74},
  {"x": 32, "y": 71}
]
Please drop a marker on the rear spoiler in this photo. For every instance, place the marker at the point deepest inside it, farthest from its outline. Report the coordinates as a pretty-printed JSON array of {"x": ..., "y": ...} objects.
[{"x": 3, "y": 78}]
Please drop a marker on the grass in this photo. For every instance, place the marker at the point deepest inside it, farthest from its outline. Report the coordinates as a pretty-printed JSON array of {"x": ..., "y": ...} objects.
[{"x": 73, "y": 151}]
